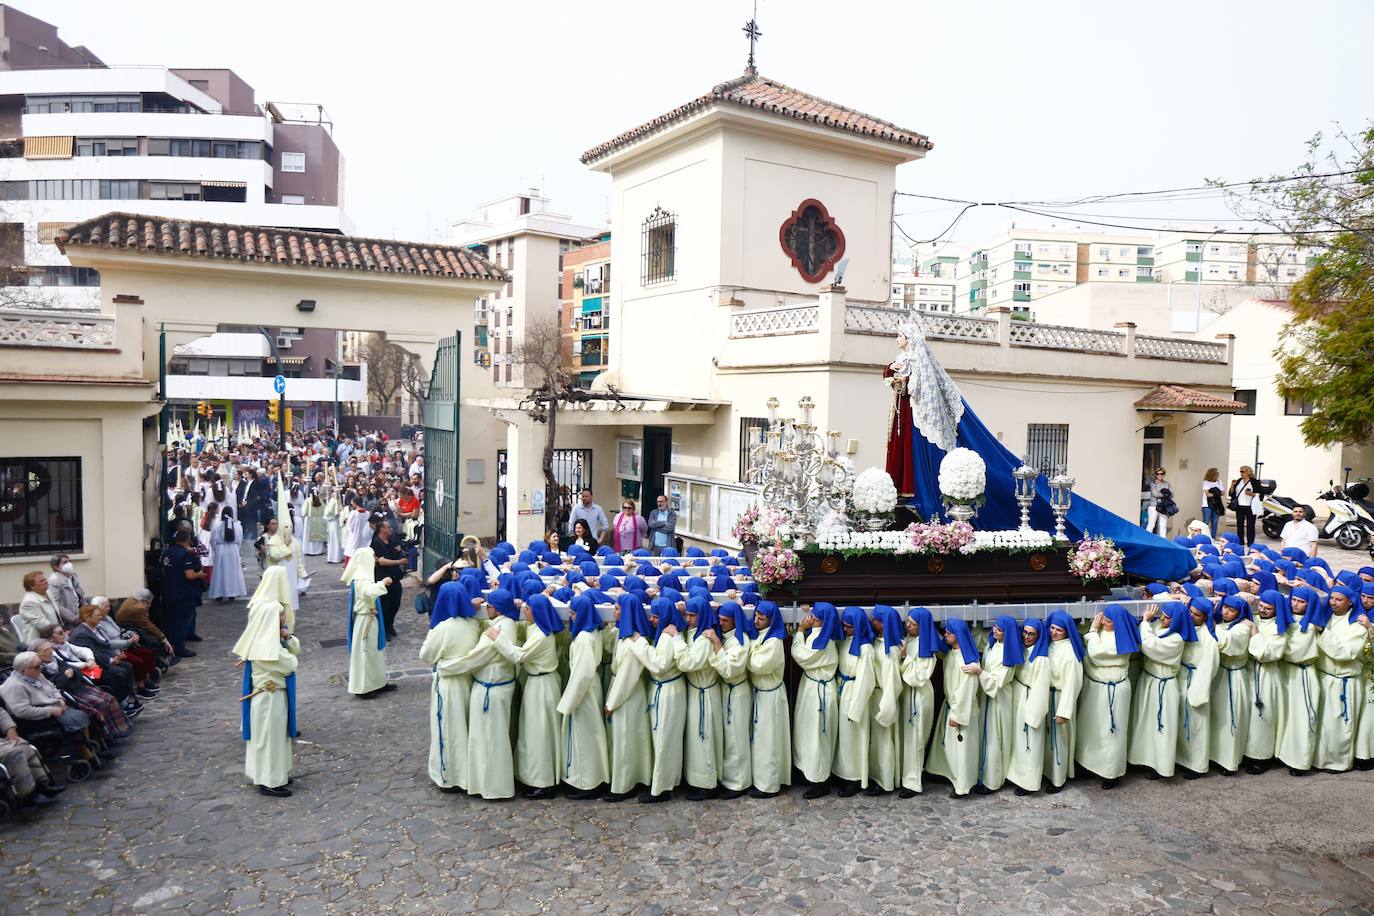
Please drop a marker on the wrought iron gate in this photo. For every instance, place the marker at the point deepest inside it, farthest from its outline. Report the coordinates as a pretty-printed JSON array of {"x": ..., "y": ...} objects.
[{"x": 439, "y": 414}]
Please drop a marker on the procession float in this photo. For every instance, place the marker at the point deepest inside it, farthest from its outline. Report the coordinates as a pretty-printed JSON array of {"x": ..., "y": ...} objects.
[{"x": 953, "y": 520}]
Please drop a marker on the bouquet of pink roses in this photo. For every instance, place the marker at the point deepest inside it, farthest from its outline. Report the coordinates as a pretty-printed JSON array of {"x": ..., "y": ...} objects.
[
  {"x": 743, "y": 531},
  {"x": 777, "y": 567},
  {"x": 1097, "y": 558},
  {"x": 934, "y": 538}
]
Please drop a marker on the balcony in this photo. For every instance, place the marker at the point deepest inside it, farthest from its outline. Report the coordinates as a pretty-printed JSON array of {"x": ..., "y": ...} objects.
[
  {"x": 1018, "y": 296},
  {"x": 592, "y": 358},
  {"x": 1193, "y": 257},
  {"x": 56, "y": 330}
]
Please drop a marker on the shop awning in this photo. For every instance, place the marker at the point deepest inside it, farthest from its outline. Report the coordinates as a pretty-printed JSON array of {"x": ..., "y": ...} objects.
[
  {"x": 591, "y": 305},
  {"x": 47, "y": 147},
  {"x": 224, "y": 184}
]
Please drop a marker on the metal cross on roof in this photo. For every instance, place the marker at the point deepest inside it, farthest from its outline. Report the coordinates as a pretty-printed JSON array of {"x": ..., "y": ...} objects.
[{"x": 751, "y": 28}]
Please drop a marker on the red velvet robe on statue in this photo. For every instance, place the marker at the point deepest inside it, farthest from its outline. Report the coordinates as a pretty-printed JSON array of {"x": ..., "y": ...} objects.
[{"x": 899, "y": 432}]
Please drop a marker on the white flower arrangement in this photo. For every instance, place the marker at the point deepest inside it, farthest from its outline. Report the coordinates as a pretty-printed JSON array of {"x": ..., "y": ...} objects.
[
  {"x": 874, "y": 492},
  {"x": 902, "y": 542},
  {"x": 963, "y": 476},
  {"x": 1009, "y": 540}
]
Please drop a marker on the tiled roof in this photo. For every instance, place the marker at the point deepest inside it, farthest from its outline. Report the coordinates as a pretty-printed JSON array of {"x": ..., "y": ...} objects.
[
  {"x": 267, "y": 245},
  {"x": 1176, "y": 397},
  {"x": 759, "y": 92}
]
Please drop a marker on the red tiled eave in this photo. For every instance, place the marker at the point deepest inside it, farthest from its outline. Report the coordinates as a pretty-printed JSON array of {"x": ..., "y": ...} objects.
[
  {"x": 269, "y": 245},
  {"x": 769, "y": 96},
  {"x": 1176, "y": 397}
]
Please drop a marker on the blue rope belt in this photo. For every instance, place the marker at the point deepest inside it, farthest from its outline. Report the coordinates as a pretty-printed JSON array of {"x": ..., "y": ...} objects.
[
  {"x": 839, "y": 688},
  {"x": 486, "y": 697},
  {"x": 983, "y": 743},
  {"x": 701, "y": 711},
  {"x": 1188, "y": 707},
  {"x": 439, "y": 718},
  {"x": 1345, "y": 684},
  {"x": 753, "y": 725},
  {"x": 1159, "y": 701},
  {"x": 1025, "y": 727},
  {"x": 1111, "y": 697},
  {"x": 1259, "y": 691},
  {"x": 820, "y": 694},
  {"x": 913, "y": 704},
  {"x": 730, "y": 698},
  {"x": 568, "y": 753},
  {"x": 658, "y": 689},
  {"x": 1231, "y": 693},
  {"x": 1054, "y": 726},
  {"x": 1307, "y": 698}
]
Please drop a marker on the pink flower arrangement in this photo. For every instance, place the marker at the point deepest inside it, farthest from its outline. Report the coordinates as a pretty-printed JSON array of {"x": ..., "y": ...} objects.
[
  {"x": 777, "y": 567},
  {"x": 743, "y": 531},
  {"x": 934, "y": 538},
  {"x": 1097, "y": 558}
]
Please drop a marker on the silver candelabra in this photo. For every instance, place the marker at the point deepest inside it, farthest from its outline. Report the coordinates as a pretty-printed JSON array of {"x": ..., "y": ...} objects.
[{"x": 799, "y": 470}]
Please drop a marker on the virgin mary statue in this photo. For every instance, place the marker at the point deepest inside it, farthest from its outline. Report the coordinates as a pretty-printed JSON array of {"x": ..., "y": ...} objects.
[{"x": 925, "y": 401}]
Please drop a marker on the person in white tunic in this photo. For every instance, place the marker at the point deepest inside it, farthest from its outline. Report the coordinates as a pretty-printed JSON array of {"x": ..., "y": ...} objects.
[
  {"x": 855, "y": 680},
  {"x": 316, "y": 529},
  {"x": 954, "y": 749},
  {"x": 997, "y": 730},
  {"x": 884, "y": 730},
  {"x": 703, "y": 747},
  {"x": 334, "y": 548},
  {"x": 1296, "y": 741},
  {"x": 667, "y": 692},
  {"x": 1233, "y": 691},
  {"x": 815, "y": 723},
  {"x": 1066, "y": 681},
  {"x": 453, "y": 633},
  {"x": 917, "y": 715},
  {"x": 732, "y": 665},
  {"x": 281, "y": 553},
  {"x": 1197, "y": 669},
  {"x": 226, "y": 542},
  {"x": 364, "y": 631},
  {"x": 586, "y": 757},
  {"x": 771, "y": 744},
  {"x": 1030, "y": 709},
  {"x": 1268, "y": 642},
  {"x": 627, "y": 715},
  {"x": 1104, "y": 705},
  {"x": 1155, "y": 706},
  {"x": 491, "y": 759},
  {"x": 268, "y": 653},
  {"x": 357, "y": 532},
  {"x": 1364, "y": 731},
  {"x": 538, "y": 752},
  {"x": 1341, "y": 681}
]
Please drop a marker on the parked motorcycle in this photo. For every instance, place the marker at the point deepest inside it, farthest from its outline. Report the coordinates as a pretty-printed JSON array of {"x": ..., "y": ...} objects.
[{"x": 1350, "y": 524}]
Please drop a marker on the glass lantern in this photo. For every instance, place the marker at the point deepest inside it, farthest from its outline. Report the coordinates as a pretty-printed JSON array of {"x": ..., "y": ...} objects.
[
  {"x": 1024, "y": 477},
  {"x": 1061, "y": 498}
]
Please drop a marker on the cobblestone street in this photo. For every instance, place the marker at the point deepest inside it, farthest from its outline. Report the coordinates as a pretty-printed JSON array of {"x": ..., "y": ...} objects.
[{"x": 174, "y": 826}]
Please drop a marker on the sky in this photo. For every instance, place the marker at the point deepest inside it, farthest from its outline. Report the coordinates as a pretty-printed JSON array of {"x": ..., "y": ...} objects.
[{"x": 441, "y": 106}]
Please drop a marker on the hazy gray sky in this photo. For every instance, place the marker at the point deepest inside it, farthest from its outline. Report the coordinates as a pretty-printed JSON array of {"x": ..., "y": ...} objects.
[{"x": 439, "y": 106}]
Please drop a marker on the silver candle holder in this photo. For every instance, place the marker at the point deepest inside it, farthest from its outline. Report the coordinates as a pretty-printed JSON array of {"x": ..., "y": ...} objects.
[
  {"x": 1025, "y": 477},
  {"x": 799, "y": 470},
  {"x": 1061, "y": 498}
]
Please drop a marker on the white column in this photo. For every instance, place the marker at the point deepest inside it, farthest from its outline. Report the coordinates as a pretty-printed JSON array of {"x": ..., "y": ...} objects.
[{"x": 524, "y": 478}]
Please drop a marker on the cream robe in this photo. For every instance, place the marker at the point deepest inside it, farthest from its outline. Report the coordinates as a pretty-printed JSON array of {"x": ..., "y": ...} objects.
[
  {"x": 538, "y": 751},
  {"x": 732, "y": 665},
  {"x": 447, "y": 649},
  {"x": 854, "y": 683},
  {"x": 954, "y": 750},
  {"x": 586, "y": 758},
  {"x": 1364, "y": 728},
  {"x": 884, "y": 730},
  {"x": 917, "y": 714},
  {"x": 267, "y": 753},
  {"x": 704, "y": 744},
  {"x": 1066, "y": 681},
  {"x": 667, "y": 706},
  {"x": 1342, "y": 687},
  {"x": 1104, "y": 707},
  {"x": 1197, "y": 670},
  {"x": 1233, "y": 695},
  {"x": 1267, "y": 648},
  {"x": 334, "y": 538},
  {"x": 491, "y": 762},
  {"x": 632, "y": 760},
  {"x": 771, "y": 744},
  {"x": 1296, "y": 740},
  {"x": 1030, "y": 707},
  {"x": 279, "y": 553},
  {"x": 995, "y": 725},
  {"x": 1155, "y": 705},
  {"x": 316, "y": 531},
  {"x": 610, "y": 639},
  {"x": 815, "y": 724},
  {"x": 366, "y": 663}
]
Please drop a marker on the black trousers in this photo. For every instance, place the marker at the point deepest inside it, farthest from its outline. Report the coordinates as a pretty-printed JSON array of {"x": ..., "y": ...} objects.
[
  {"x": 1245, "y": 525},
  {"x": 391, "y": 605}
]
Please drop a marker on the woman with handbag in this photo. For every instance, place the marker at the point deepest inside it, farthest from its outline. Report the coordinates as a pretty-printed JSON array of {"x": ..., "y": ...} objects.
[
  {"x": 1161, "y": 499},
  {"x": 1244, "y": 498},
  {"x": 1213, "y": 506}
]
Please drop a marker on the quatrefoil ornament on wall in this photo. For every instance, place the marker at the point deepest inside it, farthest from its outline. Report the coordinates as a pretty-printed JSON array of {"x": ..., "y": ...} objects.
[{"x": 812, "y": 239}]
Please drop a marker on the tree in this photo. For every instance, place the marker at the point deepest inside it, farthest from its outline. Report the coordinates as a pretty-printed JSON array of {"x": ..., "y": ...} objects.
[
  {"x": 1327, "y": 356},
  {"x": 390, "y": 367},
  {"x": 544, "y": 364}
]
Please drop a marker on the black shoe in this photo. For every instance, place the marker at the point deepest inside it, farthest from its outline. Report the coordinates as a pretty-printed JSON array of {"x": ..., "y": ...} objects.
[
  {"x": 174, "y": 660},
  {"x": 1296, "y": 772},
  {"x": 874, "y": 790},
  {"x": 757, "y": 793},
  {"x": 586, "y": 794},
  {"x": 701, "y": 795},
  {"x": 186, "y": 653},
  {"x": 539, "y": 794},
  {"x": 1022, "y": 792},
  {"x": 848, "y": 788},
  {"x": 1151, "y": 774},
  {"x": 386, "y": 688},
  {"x": 450, "y": 789},
  {"x": 278, "y": 792},
  {"x": 648, "y": 798},
  {"x": 904, "y": 792},
  {"x": 1110, "y": 783},
  {"x": 1052, "y": 789},
  {"x": 194, "y": 637},
  {"x": 614, "y": 797},
  {"x": 52, "y": 788},
  {"x": 817, "y": 790},
  {"x": 147, "y": 693},
  {"x": 1256, "y": 769},
  {"x": 1226, "y": 772},
  {"x": 38, "y": 800},
  {"x": 954, "y": 793},
  {"x": 133, "y": 712},
  {"x": 1365, "y": 764},
  {"x": 981, "y": 789},
  {"x": 731, "y": 793},
  {"x": 1190, "y": 774}
]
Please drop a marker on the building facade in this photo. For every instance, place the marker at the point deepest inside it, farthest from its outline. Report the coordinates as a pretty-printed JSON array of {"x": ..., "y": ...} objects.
[
  {"x": 586, "y": 309},
  {"x": 76, "y": 136}
]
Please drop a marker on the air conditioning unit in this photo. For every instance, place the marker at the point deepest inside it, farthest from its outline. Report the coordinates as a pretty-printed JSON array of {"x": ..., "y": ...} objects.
[{"x": 284, "y": 343}]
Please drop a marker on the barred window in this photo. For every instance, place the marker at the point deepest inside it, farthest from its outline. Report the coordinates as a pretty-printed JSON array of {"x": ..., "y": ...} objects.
[
  {"x": 40, "y": 506},
  {"x": 752, "y": 432},
  {"x": 658, "y": 247},
  {"x": 1047, "y": 444}
]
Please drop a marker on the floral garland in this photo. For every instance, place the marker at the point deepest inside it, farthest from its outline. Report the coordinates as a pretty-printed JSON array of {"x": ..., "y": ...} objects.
[
  {"x": 777, "y": 567},
  {"x": 929, "y": 539},
  {"x": 1096, "y": 558}
]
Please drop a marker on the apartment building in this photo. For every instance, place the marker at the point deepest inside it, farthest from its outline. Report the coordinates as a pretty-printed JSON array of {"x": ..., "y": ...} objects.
[
  {"x": 522, "y": 235},
  {"x": 922, "y": 293},
  {"x": 1016, "y": 267},
  {"x": 79, "y": 138},
  {"x": 586, "y": 309},
  {"x": 1202, "y": 259}
]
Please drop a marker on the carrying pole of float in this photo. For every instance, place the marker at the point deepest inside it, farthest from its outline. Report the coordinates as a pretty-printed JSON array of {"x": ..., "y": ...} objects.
[{"x": 163, "y": 424}]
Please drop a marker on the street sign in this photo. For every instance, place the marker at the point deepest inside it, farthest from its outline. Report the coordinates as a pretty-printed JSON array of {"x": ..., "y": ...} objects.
[{"x": 279, "y": 384}]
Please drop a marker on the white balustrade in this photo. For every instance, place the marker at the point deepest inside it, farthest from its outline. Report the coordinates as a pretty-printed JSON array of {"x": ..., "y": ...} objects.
[
  {"x": 1197, "y": 351},
  {"x": 1059, "y": 337},
  {"x": 772, "y": 322},
  {"x": 56, "y": 329}
]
